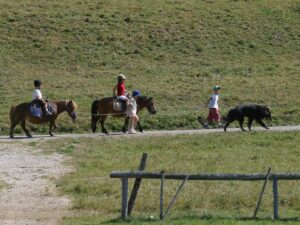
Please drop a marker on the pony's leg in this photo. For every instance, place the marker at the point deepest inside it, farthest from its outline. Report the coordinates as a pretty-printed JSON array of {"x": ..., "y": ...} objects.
[
  {"x": 54, "y": 126},
  {"x": 141, "y": 129},
  {"x": 12, "y": 128},
  {"x": 23, "y": 125},
  {"x": 124, "y": 129},
  {"x": 102, "y": 120},
  {"x": 94, "y": 122},
  {"x": 51, "y": 128}
]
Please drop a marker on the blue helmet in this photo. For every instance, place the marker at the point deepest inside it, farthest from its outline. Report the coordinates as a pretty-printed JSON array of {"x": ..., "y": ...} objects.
[{"x": 136, "y": 93}]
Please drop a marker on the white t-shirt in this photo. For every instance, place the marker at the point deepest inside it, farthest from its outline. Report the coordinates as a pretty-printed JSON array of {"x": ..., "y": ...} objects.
[
  {"x": 213, "y": 102},
  {"x": 37, "y": 94}
]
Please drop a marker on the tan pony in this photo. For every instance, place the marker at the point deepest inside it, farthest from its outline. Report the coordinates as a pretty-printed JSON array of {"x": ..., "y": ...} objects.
[{"x": 21, "y": 113}]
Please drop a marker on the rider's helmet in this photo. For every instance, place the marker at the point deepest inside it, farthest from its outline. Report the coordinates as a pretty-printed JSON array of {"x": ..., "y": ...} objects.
[
  {"x": 136, "y": 93},
  {"x": 37, "y": 83},
  {"x": 121, "y": 77}
]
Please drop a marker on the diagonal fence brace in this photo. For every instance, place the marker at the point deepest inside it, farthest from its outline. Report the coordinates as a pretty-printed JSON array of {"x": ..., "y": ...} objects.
[
  {"x": 262, "y": 192},
  {"x": 175, "y": 196},
  {"x": 137, "y": 184}
]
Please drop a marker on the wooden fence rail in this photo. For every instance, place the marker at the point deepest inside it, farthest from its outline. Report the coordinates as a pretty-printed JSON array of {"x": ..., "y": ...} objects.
[
  {"x": 177, "y": 176},
  {"x": 124, "y": 176}
]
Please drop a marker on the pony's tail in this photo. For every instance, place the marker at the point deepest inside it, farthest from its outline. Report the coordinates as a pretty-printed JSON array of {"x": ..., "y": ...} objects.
[
  {"x": 95, "y": 115},
  {"x": 11, "y": 114}
]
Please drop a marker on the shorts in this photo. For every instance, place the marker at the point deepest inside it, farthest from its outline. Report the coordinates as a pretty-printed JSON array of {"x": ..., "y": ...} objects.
[
  {"x": 214, "y": 115},
  {"x": 123, "y": 97}
]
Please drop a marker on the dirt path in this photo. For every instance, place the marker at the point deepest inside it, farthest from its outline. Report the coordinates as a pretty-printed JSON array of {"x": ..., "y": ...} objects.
[
  {"x": 30, "y": 197},
  {"x": 22, "y": 138}
]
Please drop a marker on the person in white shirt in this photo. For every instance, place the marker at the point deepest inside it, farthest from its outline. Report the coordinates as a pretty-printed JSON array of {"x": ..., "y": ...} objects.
[
  {"x": 38, "y": 98},
  {"x": 131, "y": 112},
  {"x": 213, "y": 107}
]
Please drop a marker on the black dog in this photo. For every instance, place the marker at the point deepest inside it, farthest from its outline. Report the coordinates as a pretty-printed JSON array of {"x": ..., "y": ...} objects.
[{"x": 252, "y": 111}]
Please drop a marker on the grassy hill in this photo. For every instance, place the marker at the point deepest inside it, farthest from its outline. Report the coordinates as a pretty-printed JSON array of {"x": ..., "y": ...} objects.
[{"x": 174, "y": 51}]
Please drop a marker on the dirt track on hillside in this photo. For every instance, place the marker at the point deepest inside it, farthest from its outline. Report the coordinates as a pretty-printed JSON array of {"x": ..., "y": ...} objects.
[{"x": 30, "y": 197}]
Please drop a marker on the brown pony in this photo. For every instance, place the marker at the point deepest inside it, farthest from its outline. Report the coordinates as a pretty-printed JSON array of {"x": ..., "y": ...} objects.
[
  {"x": 21, "y": 113},
  {"x": 104, "y": 107}
]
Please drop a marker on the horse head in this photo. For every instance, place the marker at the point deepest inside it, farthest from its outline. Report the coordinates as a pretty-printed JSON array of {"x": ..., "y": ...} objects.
[
  {"x": 71, "y": 106},
  {"x": 150, "y": 106}
]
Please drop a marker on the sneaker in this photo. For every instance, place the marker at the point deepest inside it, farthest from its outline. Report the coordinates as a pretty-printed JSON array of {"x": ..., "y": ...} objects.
[
  {"x": 132, "y": 131},
  {"x": 220, "y": 125},
  {"x": 205, "y": 126}
]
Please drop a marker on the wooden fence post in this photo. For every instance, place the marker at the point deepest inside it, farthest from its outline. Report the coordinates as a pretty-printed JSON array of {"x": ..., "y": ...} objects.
[
  {"x": 161, "y": 206},
  {"x": 137, "y": 184},
  {"x": 124, "y": 211},
  {"x": 275, "y": 195}
]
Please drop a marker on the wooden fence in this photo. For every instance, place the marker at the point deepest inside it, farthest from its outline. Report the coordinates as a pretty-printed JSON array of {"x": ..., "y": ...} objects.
[{"x": 139, "y": 175}]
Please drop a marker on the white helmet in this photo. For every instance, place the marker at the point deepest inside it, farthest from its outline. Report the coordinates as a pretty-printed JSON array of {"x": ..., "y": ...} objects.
[{"x": 121, "y": 77}]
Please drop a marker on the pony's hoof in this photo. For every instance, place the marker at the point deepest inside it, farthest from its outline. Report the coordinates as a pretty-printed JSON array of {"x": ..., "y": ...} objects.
[
  {"x": 105, "y": 132},
  {"x": 51, "y": 135},
  {"x": 29, "y": 136},
  {"x": 11, "y": 137}
]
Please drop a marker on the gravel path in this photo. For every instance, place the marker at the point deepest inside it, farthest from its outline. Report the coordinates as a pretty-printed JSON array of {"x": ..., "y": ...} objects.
[
  {"x": 29, "y": 197},
  {"x": 146, "y": 133}
]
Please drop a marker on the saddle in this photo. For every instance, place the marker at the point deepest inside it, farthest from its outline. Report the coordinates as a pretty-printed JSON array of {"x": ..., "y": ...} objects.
[
  {"x": 36, "y": 110},
  {"x": 118, "y": 104}
]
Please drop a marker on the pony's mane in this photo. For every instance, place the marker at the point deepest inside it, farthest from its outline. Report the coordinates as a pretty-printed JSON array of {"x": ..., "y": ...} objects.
[
  {"x": 74, "y": 104},
  {"x": 66, "y": 101},
  {"x": 144, "y": 98}
]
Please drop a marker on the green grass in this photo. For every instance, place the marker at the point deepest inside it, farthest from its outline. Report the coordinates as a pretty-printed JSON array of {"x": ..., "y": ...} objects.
[
  {"x": 174, "y": 51},
  {"x": 193, "y": 220},
  {"x": 96, "y": 197},
  {"x": 2, "y": 184}
]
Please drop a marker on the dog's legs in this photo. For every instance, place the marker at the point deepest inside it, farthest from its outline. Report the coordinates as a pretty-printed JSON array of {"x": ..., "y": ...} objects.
[
  {"x": 250, "y": 121},
  {"x": 227, "y": 124},
  {"x": 261, "y": 123},
  {"x": 241, "y": 121}
]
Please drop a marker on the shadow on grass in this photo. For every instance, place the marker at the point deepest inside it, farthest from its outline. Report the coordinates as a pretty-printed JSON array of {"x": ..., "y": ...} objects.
[{"x": 202, "y": 217}]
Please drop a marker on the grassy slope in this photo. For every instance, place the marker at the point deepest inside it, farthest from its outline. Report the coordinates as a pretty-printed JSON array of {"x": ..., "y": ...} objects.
[
  {"x": 98, "y": 200},
  {"x": 172, "y": 50},
  {"x": 2, "y": 184}
]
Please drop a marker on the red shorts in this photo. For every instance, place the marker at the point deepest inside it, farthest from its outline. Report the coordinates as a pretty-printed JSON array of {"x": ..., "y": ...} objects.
[{"x": 214, "y": 115}]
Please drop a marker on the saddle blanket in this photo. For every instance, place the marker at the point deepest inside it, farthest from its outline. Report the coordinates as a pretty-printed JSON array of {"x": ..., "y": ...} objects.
[
  {"x": 119, "y": 105},
  {"x": 36, "y": 111}
]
